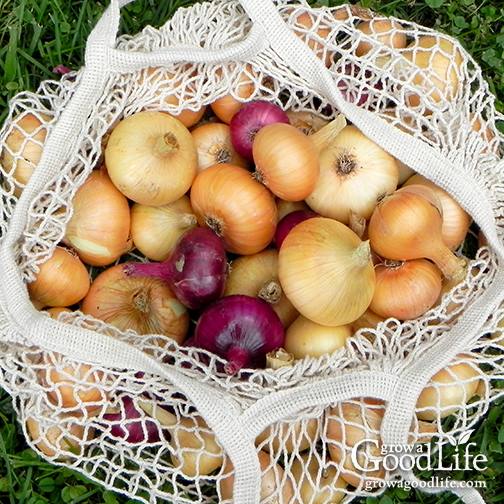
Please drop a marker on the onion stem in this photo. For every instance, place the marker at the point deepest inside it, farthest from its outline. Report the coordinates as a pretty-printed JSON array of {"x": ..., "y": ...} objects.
[
  {"x": 167, "y": 144},
  {"x": 453, "y": 267},
  {"x": 326, "y": 135},
  {"x": 271, "y": 292},
  {"x": 237, "y": 358},
  {"x": 362, "y": 254}
]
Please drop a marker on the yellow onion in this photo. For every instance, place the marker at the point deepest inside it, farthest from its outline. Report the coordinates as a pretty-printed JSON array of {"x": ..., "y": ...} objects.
[
  {"x": 295, "y": 436},
  {"x": 437, "y": 66},
  {"x": 99, "y": 229},
  {"x": 456, "y": 221},
  {"x": 274, "y": 484},
  {"x": 227, "y": 106},
  {"x": 64, "y": 442},
  {"x": 348, "y": 425},
  {"x": 286, "y": 161},
  {"x": 156, "y": 230},
  {"x": 62, "y": 280},
  {"x": 213, "y": 145},
  {"x": 482, "y": 240},
  {"x": 24, "y": 146},
  {"x": 167, "y": 79},
  {"x": 326, "y": 271},
  {"x": 405, "y": 290},
  {"x": 408, "y": 225},
  {"x": 287, "y": 207},
  {"x": 479, "y": 125},
  {"x": 151, "y": 158},
  {"x": 368, "y": 320},
  {"x": 279, "y": 358},
  {"x": 317, "y": 484},
  {"x": 306, "y": 338},
  {"x": 57, "y": 310},
  {"x": 236, "y": 207},
  {"x": 257, "y": 276},
  {"x": 451, "y": 390},
  {"x": 307, "y": 122},
  {"x": 143, "y": 304},
  {"x": 385, "y": 31},
  {"x": 355, "y": 174}
]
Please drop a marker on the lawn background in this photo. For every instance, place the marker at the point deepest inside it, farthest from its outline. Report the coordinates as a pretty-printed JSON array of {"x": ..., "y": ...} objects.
[{"x": 38, "y": 35}]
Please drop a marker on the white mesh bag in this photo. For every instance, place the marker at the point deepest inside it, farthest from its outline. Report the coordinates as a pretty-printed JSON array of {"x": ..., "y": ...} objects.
[{"x": 192, "y": 419}]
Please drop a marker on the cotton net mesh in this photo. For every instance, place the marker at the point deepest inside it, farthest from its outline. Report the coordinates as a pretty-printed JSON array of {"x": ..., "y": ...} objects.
[{"x": 74, "y": 413}]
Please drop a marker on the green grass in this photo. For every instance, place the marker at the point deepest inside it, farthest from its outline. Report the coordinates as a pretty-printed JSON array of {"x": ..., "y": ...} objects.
[{"x": 37, "y": 35}]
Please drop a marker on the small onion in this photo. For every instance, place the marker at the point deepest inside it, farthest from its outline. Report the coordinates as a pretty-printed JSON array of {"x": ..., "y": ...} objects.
[
  {"x": 408, "y": 225},
  {"x": 326, "y": 272},
  {"x": 385, "y": 31},
  {"x": 275, "y": 487},
  {"x": 306, "y": 338},
  {"x": 405, "y": 290},
  {"x": 156, "y": 230},
  {"x": 307, "y": 122},
  {"x": 286, "y": 161},
  {"x": 151, "y": 158},
  {"x": 289, "y": 222},
  {"x": 438, "y": 63},
  {"x": 257, "y": 276},
  {"x": 129, "y": 424},
  {"x": 227, "y": 106},
  {"x": 451, "y": 389},
  {"x": 236, "y": 207},
  {"x": 241, "y": 329},
  {"x": 213, "y": 145},
  {"x": 145, "y": 305},
  {"x": 23, "y": 147},
  {"x": 287, "y": 207},
  {"x": 456, "y": 221},
  {"x": 63, "y": 441},
  {"x": 62, "y": 281},
  {"x": 196, "y": 270},
  {"x": 317, "y": 484},
  {"x": 99, "y": 228},
  {"x": 355, "y": 173},
  {"x": 249, "y": 120}
]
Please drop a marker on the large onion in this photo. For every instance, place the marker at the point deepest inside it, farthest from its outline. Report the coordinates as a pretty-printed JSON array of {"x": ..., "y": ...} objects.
[
  {"x": 385, "y": 31},
  {"x": 151, "y": 158},
  {"x": 326, "y": 271},
  {"x": 145, "y": 305},
  {"x": 99, "y": 229}
]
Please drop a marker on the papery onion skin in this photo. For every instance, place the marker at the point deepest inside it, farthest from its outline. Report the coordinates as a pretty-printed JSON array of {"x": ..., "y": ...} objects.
[
  {"x": 236, "y": 207},
  {"x": 307, "y": 122},
  {"x": 305, "y": 338},
  {"x": 145, "y": 305},
  {"x": 99, "y": 228},
  {"x": 306, "y": 470},
  {"x": 213, "y": 145},
  {"x": 196, "y": 270},
  {"x": 326, "y": 272},
  {"x": 156, "y": 230},
  {"x": 62, "y": 281},
  {"x": 408, "y": 225},
  {"x": 456, "y": 221},
  {"x": 286, "y": 161},
  {"x": 354, "y": 174},
  {"x": 289, "y": 222},
  {"x": 241, "y": 329},
  {"x": 24, "y": 146},
  {"x": 272, "y": 476},
  {"x": 124, "y": 427},
  {"x": 384, "y": 31},
  {"x": 249, "y": 120},
  {"x": 151, "y": 158},
  {"x": 460, "y": 385},
  {"x": 257, "y": 276}
]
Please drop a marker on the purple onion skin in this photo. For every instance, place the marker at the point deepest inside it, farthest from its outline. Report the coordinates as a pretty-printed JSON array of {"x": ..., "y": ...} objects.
[
  {"x": 345, "y": 87},
  {"x": 196, "y": 271},
  {"x": 289, "y": 222},
  {"x": 241, "y": 329},
  {"x": 124, "y": 427},
  {"x": 249, "y": 120}
]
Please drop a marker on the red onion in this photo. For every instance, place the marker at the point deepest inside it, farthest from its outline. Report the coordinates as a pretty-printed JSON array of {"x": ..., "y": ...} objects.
[
  {"x": 241, "y": 329},
  {"x": 125, "y": 426},
  {"x": 196, "y": 271},
  {"x": 290, "y": 221},
  {"x": 249, "y": 120},
  {"x": 356, "y": 94}
]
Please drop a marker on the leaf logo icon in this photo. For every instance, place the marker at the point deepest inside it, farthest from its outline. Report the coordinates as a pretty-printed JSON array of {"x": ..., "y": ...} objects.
[
  {"x": 451, "y": 440},
  {"x": 464, "y": 437}
]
